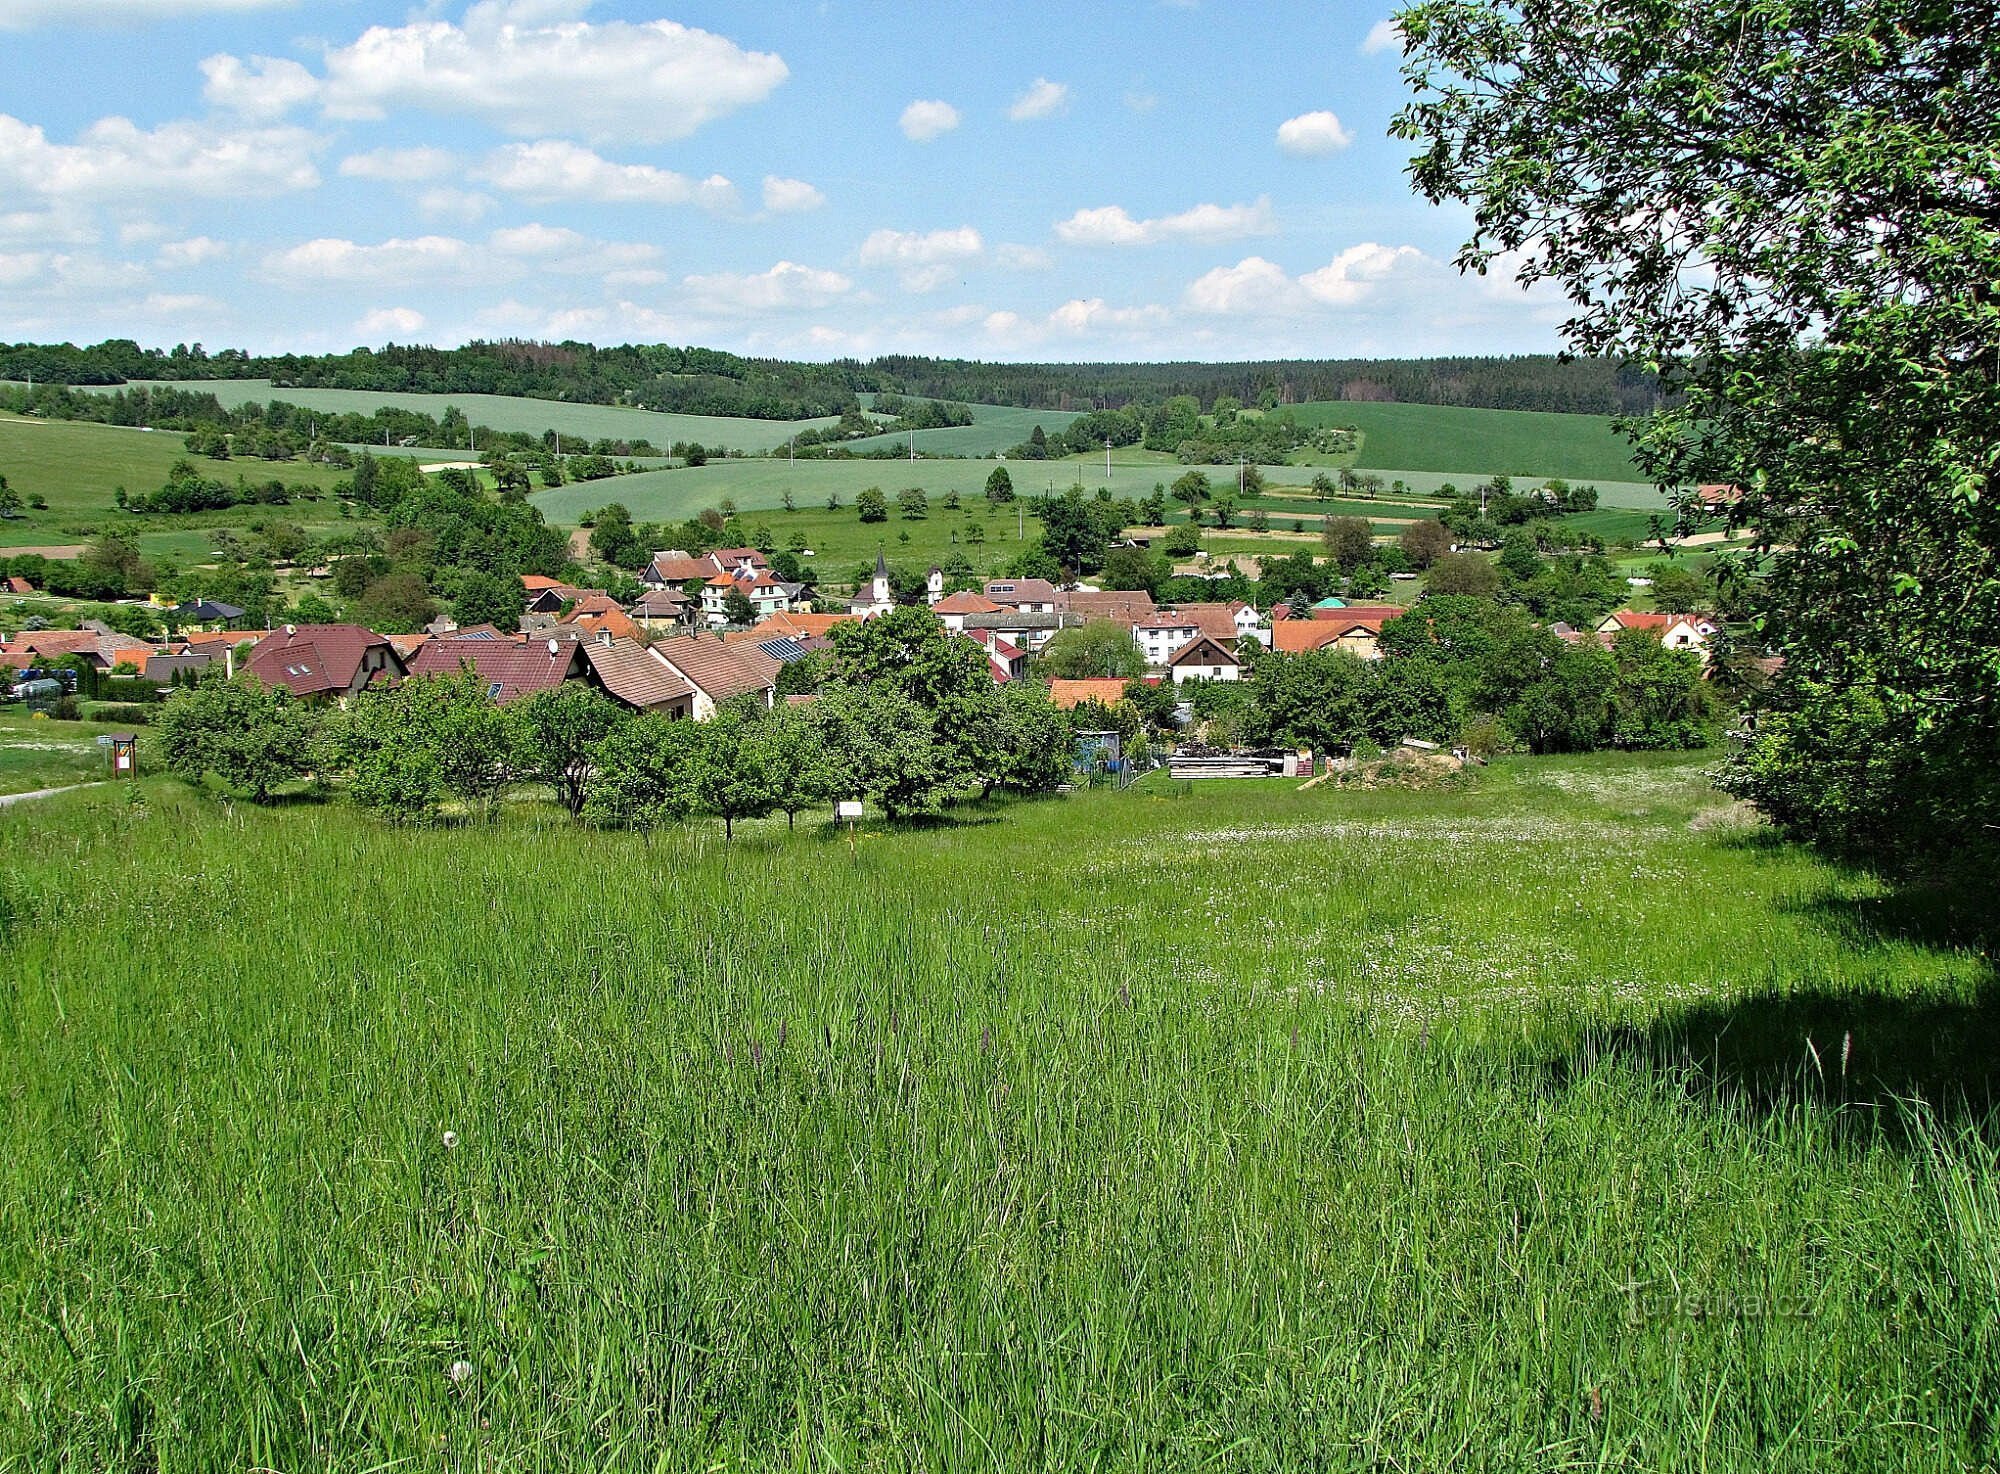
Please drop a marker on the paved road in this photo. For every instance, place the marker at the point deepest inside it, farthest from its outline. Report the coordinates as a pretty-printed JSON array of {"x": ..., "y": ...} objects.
[{"x": 16, "y": 798}]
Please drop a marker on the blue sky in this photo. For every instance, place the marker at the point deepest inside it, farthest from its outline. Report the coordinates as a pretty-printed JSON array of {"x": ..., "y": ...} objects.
[{"x": 1126, "y": 180}]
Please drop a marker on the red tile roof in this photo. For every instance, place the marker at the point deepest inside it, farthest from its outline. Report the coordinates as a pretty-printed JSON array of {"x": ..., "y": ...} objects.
[
  {"x": 313, "y": 659},
  {"x": 1120, "y": 605},
  {"x": 1296, "y": 636},
  {"x": 510, "y": 671},
  {"x": 1376, "y": 612},
  {"x": 965, "y": 602},
  {"x": 1014, "y": 592},
  {"x": 679, "y": 567}
]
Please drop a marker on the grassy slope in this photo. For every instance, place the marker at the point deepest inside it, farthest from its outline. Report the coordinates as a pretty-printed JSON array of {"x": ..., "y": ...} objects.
[
  {"x": 1479, "y": 442},
  {"x": 1040, "y": 1140},
  {"x": 996, "y": 429},
  {"x": 506, "y": 412}
]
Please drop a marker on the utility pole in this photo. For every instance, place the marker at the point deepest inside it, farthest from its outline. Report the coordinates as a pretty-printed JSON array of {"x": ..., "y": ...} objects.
[{"x": 1107, "y": 458}]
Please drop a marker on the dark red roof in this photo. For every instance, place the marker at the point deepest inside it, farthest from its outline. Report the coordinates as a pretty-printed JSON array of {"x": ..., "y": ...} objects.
[
  {"x": 312, "y": 659},
  {"x": 510, "y": 671}
]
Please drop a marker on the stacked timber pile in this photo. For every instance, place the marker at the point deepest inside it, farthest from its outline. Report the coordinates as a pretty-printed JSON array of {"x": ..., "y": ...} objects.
[{"x": 1224, "y": 765}]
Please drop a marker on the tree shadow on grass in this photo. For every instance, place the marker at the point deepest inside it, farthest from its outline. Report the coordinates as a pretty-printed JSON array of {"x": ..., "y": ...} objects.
[{"x": 1864, "y": 1054}]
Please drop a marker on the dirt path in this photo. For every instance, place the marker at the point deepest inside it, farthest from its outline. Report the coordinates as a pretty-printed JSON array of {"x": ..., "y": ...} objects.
[{"x": 21, "y": 798}]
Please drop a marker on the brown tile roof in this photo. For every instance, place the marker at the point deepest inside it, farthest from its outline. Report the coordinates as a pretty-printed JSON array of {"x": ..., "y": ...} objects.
[
  {"x": 717, "y": 669},
  {"x": 1015, "y": 592},
  {"x": 614, "y": 621},
  {"x": 1070, "y": 694},
  {"x": 511, "y": 671},
  {"x": 18, "y": 585},
  {"x": 965, "y": 603},
  {"x": 1218, "y": 621},
  {"x": 534, "y": 583},
  {"x": 1121, "y": 605},
  {"x": 1376, "y": 612},
  {"x": 311, "y": 659},
  {"x": 676, "y": 567},
  {"x": 635, "y": 675},
  {"x": 798, "y": 625},
  {"x": 1296, "y": 636}
]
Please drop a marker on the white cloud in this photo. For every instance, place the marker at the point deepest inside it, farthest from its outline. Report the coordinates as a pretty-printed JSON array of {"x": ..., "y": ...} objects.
[
  {"x": 266, "y": 87},
  {"x": 1356, "y": 271},
  {"x": 532, "y": 68},
  {"x": 399, "y": 165},
  {"x": 1313, "y": 135},
  {"x": 115, "y": 159},
  {"x": 195, "y": 251},
  {"x": 1043, "y": 100},
  {"x": 925, "y": 260},
  {"x": 553, "y": 170},
  {"x": 1384, "y": 35},
  {"x": 786, "y": 286},
  {"x": 21, "y": 14},
  {"x": 1255, "y": 287},
  {"x": 388, "y": 323},
  {"x": 1079, "y": 318},
  {"x": 557, "y": 248},
  {"x": 922, "y": 121},
  {"x": 790, "y": 196},
  {"x": 332, "y": 259},
  {"x": 1252, "y": 287},
  {"x": 1113, "y": 225}
]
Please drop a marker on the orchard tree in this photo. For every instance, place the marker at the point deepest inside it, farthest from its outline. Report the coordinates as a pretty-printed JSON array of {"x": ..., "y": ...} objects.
[
  {"x": 1097, "y": 648},
  {"x": 732, "y": 765},
  {"x": 1425, "y": 542},
  {"x": 999, "y": 486},
  {"x": 1349, "y": 541},
  {"x": 1786, "y": 211},
  {"x": 642, "y": 775},
  {"x": 555, "y": 734},
  {"x": 251, "y": 736},
  {"x": 871, "y": 505}
]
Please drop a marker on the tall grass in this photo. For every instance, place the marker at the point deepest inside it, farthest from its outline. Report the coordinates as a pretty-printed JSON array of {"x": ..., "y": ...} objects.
[{"x": 1222, "y": 1128}]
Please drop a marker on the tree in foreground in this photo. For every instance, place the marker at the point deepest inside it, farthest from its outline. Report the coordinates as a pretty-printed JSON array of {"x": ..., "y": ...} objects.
[
  {"x": 409, "y": 749},
  {"x": 1099, "y": 648},
  {"x": 642, "y": 774},
  {"x": 252, "y": 736},
  {"x": 555, "y": 734},
  {"x": 732, "y": 765},
  {"x": 1788, "y": 212},
  {"x": 880, "y": 744}
]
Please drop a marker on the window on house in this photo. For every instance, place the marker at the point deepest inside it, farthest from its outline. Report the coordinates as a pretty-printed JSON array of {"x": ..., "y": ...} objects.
[{"x": 493, "y": 692}]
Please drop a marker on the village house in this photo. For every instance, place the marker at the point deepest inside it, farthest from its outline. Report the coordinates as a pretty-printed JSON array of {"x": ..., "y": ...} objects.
[
  {"x": 878, "y": 598},
  {"x": 1120, "y": 606},
  {"x": 1030, "y": 631},
  {"x": 325, "y": 662},
  {"x": 634, "y": 676},
  {"x": 1357, "y": 633},
  {"x": 1067, "y": 695},
  {"x": 103, "y": 647},
  {"x": 1675, "y": 631},
  {"x": 953, "y": 610},
  {"x": 509, "y": 670},
  {"x": 768, "y": 594},
  {"x": 1204, "y": 659},
  {"x": 1028, "y": 595},
  {"x": 717, "y": 671}
]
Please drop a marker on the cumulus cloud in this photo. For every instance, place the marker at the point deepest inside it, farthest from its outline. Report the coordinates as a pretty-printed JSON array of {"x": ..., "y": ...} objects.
[
  {"x": 1313, "y": 135},
  {"x": 21, "y": 14},
  {"x": 388, "y": 323},
  {"x": 1356, "y": 271},
  {"x": 333, "y": 259},
  {"x": 399, "y": 165},
  {"x": 1113, "y": 225},
  {"x": 926, "y": 260},
  {"x": 786, "y": 286},
  {"x": 553, "y": 170},
  {"x": 1078, "y": 318},
  {"x": 448, "y": 202},
  {"x": 264, "y": 87},
  {"x": 1255, "y": 287},
  {"x": 1384, "y": 35},
  {"x": 1043, "y": 100},
  {"x": 790, "y": 196},
  {"x": 924, "y": 120},
  {"x": 532, "y": 68},
  {"x": 195, "y": 251},
  {"x": 115, "y": 159}
]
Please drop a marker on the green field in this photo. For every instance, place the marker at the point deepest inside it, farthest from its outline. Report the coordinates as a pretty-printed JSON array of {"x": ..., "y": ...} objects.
[
  {"x": 1449, "y": 438},
  {"x": 1504, "y": 1127},
  {"x": 78, "y": 467},
  {"x": 995, "y": 430},
  {"x": 506, "y": 412},
  {"x": 36, "y": 752}
]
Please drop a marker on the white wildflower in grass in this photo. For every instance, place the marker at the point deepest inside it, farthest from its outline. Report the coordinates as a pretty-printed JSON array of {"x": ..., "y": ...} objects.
[
  {"x": 458, "y": 1373},
  {"x": 450, "y": 1140}
]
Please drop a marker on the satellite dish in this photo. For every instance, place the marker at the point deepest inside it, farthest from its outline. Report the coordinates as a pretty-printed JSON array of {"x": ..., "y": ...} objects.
[
  {"x": 552, "y": 647},
  {"x": 290, "y": 630}
]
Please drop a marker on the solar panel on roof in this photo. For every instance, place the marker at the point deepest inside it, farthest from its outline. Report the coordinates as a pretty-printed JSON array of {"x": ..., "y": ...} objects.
[{"x": 783, "y": 649}]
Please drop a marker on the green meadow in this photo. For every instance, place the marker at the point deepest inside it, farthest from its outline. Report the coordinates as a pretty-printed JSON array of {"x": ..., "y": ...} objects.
[
  {"x": 1450, "y": 438},
  {"x": 509, "y": 412},
  {"x": 1556, "y": 1118}
]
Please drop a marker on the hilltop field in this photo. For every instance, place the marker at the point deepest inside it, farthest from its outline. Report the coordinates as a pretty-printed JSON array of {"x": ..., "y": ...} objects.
[{"x": 1556, "y": 1113}]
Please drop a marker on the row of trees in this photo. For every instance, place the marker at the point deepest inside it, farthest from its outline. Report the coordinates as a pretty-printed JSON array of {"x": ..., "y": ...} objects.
[{"x": 909, "y": 718}]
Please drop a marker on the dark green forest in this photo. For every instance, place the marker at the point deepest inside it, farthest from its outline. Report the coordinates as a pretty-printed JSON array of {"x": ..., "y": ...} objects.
[{"x": 707, "y": 381}]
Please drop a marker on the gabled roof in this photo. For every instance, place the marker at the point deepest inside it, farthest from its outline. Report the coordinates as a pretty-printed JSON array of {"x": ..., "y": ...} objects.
[
  {"x": 635, "y": 675},
  {"x": 1204, "y": 650},
  {"x": 1216, "y": 619},
  {"x": 1018, "y": 591},
  {"x": 18, "y": 585},
  {"x": 716, "y": 668},
  {"x": 798, "y": 624},
  {"x": 965, "y": 602},
  {"x": 310, "y": 659},
  {"x": 1297, "y": 636},
  {"x": 1358, "y": 611},
  {"x": 1632, "y": 619},
  {"x": 511, "y": 671},
  {"x": 675, "y": 566},
  {"x": 732, "y": 556},
  {"x": 534, "y": 583},
  {"x": 612, "y": 620}
]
